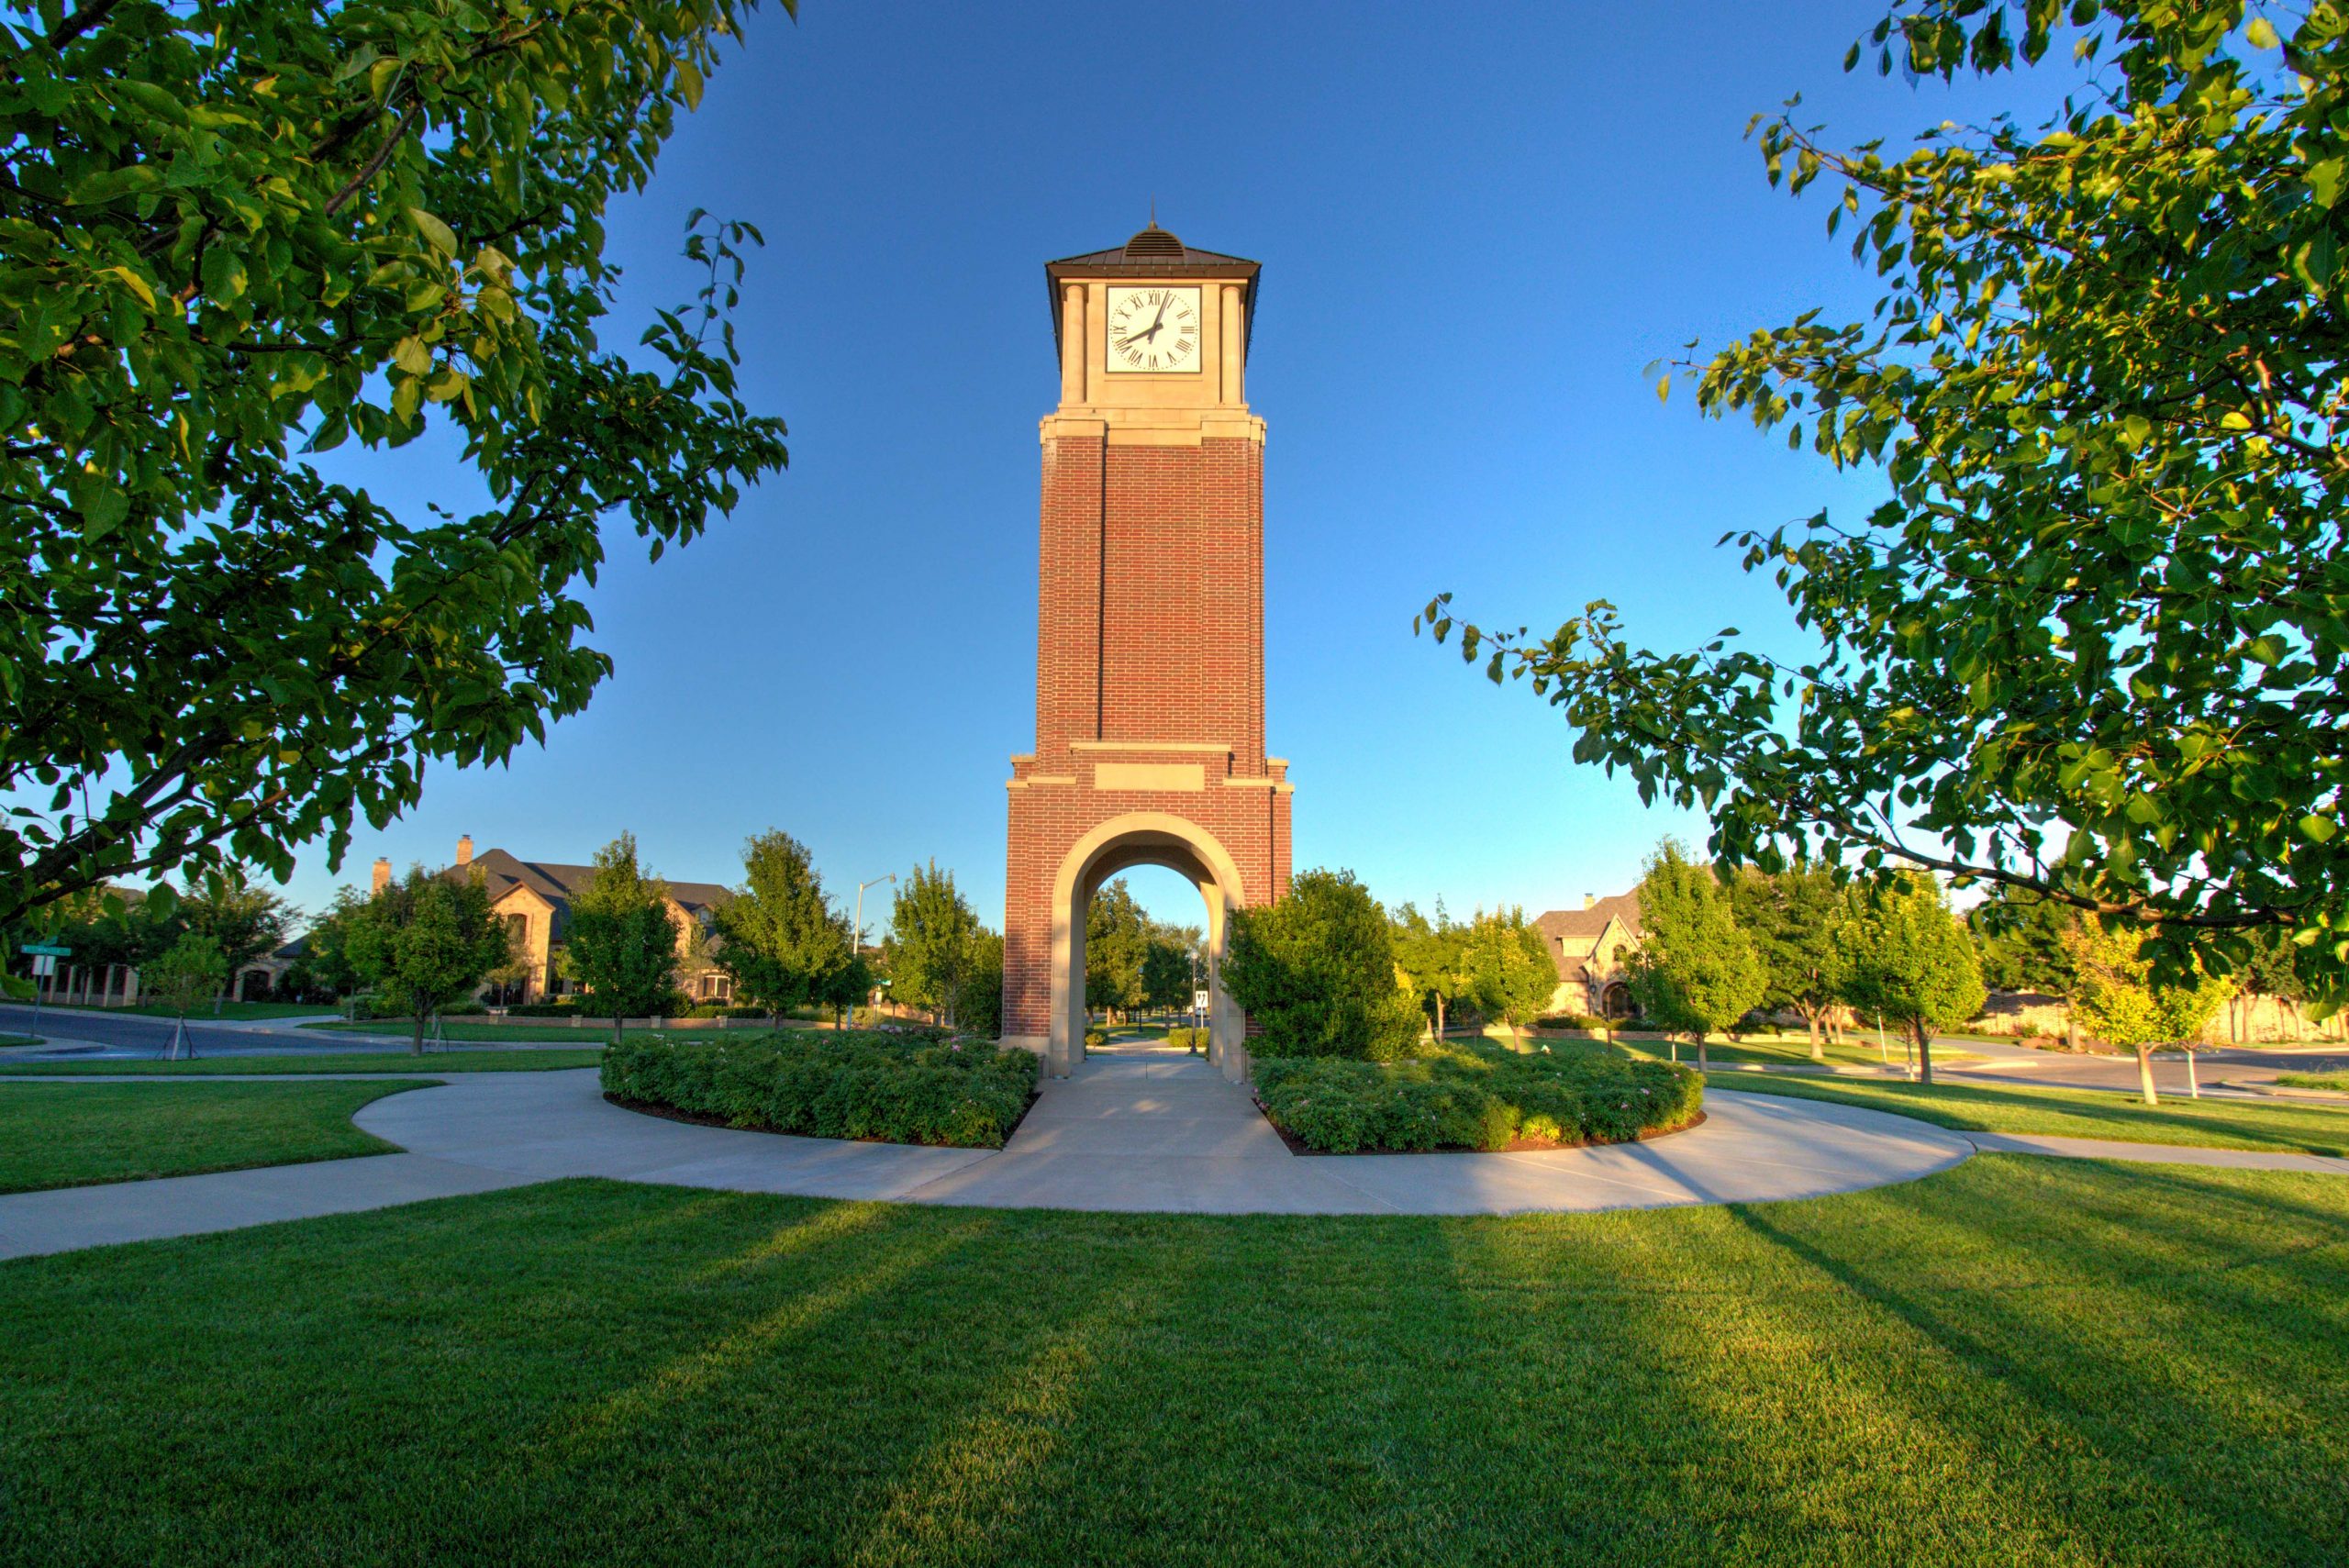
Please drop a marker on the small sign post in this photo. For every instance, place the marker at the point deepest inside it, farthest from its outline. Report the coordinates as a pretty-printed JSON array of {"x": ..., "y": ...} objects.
[{"x": 44, "y": 956}]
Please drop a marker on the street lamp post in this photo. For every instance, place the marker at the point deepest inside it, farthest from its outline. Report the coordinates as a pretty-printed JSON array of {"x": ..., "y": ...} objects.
[{"x": 856, "y": 936}]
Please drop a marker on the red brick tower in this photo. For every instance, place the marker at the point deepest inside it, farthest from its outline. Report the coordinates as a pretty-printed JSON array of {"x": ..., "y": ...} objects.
[{"x": 1150, "y": 641}]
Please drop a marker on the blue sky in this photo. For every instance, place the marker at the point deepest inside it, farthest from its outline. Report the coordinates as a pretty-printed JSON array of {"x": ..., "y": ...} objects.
[{"x": 1478, "y": 225}]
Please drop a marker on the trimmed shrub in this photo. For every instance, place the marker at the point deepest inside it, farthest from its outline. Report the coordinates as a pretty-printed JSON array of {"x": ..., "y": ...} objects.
[
  {"x": 1096, "y": 1038},
  {"x": 1193, "y": 1040},
  {"x": 891, "y": 1087},
  {"x": 543, "y": 1010},
  {"x": 1570, "y": 1021},
  {"x": 1474, "y": 1097}
]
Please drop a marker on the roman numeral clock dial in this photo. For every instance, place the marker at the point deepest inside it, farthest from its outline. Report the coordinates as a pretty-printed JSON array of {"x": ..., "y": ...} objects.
[{"x": 1153, "y": 330}]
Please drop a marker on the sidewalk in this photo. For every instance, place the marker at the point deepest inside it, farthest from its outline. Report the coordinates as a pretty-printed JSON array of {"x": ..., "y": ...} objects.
[{"x": 1133, "y": 1130}]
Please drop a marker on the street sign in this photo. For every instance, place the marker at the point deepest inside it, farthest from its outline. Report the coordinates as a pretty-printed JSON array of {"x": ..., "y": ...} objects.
[
  {"x": 1198, "y": 1001},
  {"x": 44, "y": 964},
  {"x": 42, "y": 950}
]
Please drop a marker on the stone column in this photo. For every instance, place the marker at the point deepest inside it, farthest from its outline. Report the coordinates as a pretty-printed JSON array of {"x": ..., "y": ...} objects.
[{"x": 1072, "y": 345}]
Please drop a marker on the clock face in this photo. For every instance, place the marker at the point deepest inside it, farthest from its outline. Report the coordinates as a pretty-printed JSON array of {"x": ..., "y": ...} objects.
[{"x": 1153, "y": 330}]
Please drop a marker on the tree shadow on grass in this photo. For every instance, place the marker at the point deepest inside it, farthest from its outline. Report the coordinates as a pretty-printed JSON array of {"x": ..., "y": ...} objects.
[{"x": 2088, "y": 1362}]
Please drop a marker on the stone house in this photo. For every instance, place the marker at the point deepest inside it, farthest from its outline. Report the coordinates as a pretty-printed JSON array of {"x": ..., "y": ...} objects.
[
  {"x": 533, "y": 897},
  {"x": 1590, "y": 947}
]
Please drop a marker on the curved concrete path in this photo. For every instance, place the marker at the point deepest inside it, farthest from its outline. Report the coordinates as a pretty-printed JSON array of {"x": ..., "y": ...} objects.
[
  {"x": 1159, "y": 1131},
  {"x": 1139, "y": 1130}
]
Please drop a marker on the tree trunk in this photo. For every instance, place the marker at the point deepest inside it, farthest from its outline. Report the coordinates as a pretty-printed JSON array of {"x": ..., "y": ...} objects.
[
  {"x": 2193, "y": 1083},
  {"x": 1924, "y": 1050},
  {"x": 416, "y": 1040},
  {"x": 1818, "y": 1046},
  {"x": 620, "y": 1027},
  {"x": 2071, "y": 1032},
  {"x": 1704, "y": 1063},
  {"x": 1438, "y": 1018},
  {"x": 2145, "y": 1075}
]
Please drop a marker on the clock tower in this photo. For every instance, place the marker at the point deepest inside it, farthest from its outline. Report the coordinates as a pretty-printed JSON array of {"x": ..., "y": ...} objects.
[{"x": 1150, "y": 637}]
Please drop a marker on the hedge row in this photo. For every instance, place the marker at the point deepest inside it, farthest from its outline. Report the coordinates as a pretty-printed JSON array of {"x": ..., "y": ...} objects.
[
  {"x": 1191, "y": 1039},
  {"x": 964, "y": 1094},
  {"x": 1474, "y": 1096}
]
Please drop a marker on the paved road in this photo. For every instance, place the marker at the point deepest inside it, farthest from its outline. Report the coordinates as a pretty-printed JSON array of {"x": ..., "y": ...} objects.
[
  {"x": 126, "y": 1033},
  {"x": 2056, "y": 1069}
]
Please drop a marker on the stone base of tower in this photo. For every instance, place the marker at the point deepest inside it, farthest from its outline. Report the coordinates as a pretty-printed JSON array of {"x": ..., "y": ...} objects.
[{"x": 1072, "y": 831}]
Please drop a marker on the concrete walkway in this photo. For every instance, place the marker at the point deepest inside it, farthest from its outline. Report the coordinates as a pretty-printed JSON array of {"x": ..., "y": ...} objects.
[{"x": 1137, "y": 1130}]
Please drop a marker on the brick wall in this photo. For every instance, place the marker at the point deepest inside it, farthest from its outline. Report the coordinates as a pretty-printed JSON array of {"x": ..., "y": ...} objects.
[{"x": 1150, "y": 637}]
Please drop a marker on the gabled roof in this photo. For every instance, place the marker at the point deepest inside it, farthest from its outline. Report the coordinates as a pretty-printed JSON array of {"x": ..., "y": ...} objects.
[
  {"x": 1591, "y": 923},
  {"x": 558, "y": 883},
  {"x": 1154, "y": 253}
]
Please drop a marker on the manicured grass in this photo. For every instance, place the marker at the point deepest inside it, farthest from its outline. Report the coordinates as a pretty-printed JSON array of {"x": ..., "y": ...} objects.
[
  {"x": 400, "y": 1061},
  {"x": 2078, "y": 1113},
  {"x": 9, "y": 1039},
  {"x": 554, "y": 1032},
  {"x": 1789, "y": 1051},
  {"x": 2314, "y": 1080},
  {"x": 61, "y": 1135},
  {"x": 2016, "y": 1362},
  {"x": 202, "y": 1012}
]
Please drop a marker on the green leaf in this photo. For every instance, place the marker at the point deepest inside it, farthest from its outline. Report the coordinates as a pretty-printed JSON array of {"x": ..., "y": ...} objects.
[
  {"x": 436, "y": 233},
  {"x": 2319, "y": 830}
]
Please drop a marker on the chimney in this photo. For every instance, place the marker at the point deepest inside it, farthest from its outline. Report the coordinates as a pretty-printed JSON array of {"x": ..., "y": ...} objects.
[
  {"x": 464, "y": 852},
  {"x": 383, "y": 874},
  {"x": 1589, "y": 900}
]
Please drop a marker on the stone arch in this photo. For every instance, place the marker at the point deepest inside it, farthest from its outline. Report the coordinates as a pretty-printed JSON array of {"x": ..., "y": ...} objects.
[{"x": 1144, "y": 838}]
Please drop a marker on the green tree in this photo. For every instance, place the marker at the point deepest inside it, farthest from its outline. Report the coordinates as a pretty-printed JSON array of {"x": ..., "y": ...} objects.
[
  {"x": 623, "y": 941},
  {"x": 1511, "y": 976},
  {"x": 1695, "y": 972},
  {"x": 2091, "y": 644},
  {"x": 2125, "y": 1003},
  {"x": 1117, "y": 943},
  {"x": 1433, "y": 957},
  {"x": 932, "y": 932},
  {"x": 978, "y": 1002},
  {"x": 423, "y": 942},
  {"x": 327, "y": 947},
  {"x": 1912, "y": 962},
  {"x": 2031, "y": 944},
  {"x": 1316, "y": 972},
  {"x": 2273, "y": 971},
  {"x": 189, "y": 972},
  {"x": 1167, "y": 966},
  {"x": 780, "y": 938},
  {"x": 238, "y": 236},
  {"x": 246, "y": 921},
  {"x": 1793, "y": 919}
]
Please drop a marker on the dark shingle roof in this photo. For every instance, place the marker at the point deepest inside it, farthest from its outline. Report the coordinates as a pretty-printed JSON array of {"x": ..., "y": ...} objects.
[
  {"x": 1153, "y": 253},
  {"x": 557, "y": 883},
  {"x": 1589, "y": 922}
]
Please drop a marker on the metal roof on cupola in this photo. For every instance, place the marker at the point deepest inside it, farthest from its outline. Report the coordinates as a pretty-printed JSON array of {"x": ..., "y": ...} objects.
[{"x": 1153, "y": 253}]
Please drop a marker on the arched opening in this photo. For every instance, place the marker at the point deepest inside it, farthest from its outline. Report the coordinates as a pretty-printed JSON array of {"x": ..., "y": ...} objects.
[
  {"x": 1142, "y": 839},
  {"x": 1145, "y": 952}
]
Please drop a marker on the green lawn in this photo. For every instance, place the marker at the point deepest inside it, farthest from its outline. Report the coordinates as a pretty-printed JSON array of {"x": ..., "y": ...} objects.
[
  {"x": 556, "y": 1032},
  {"x": 2078, "y": 1113},
  {"x": 400, "y": 1061},
  {"x": 59, "y": 1135},
  {"x": 2017, "y": 1362},
  {"x": 230, "y": 1012},
  {"x": 1767, "y": 1051},
  {"x": 2314, "y": 1080},
  {"x": 9, "y": 1039}
]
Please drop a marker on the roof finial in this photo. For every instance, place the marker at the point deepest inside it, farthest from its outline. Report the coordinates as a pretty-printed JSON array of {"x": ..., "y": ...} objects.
[{"x": 1153, "y": 210}]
